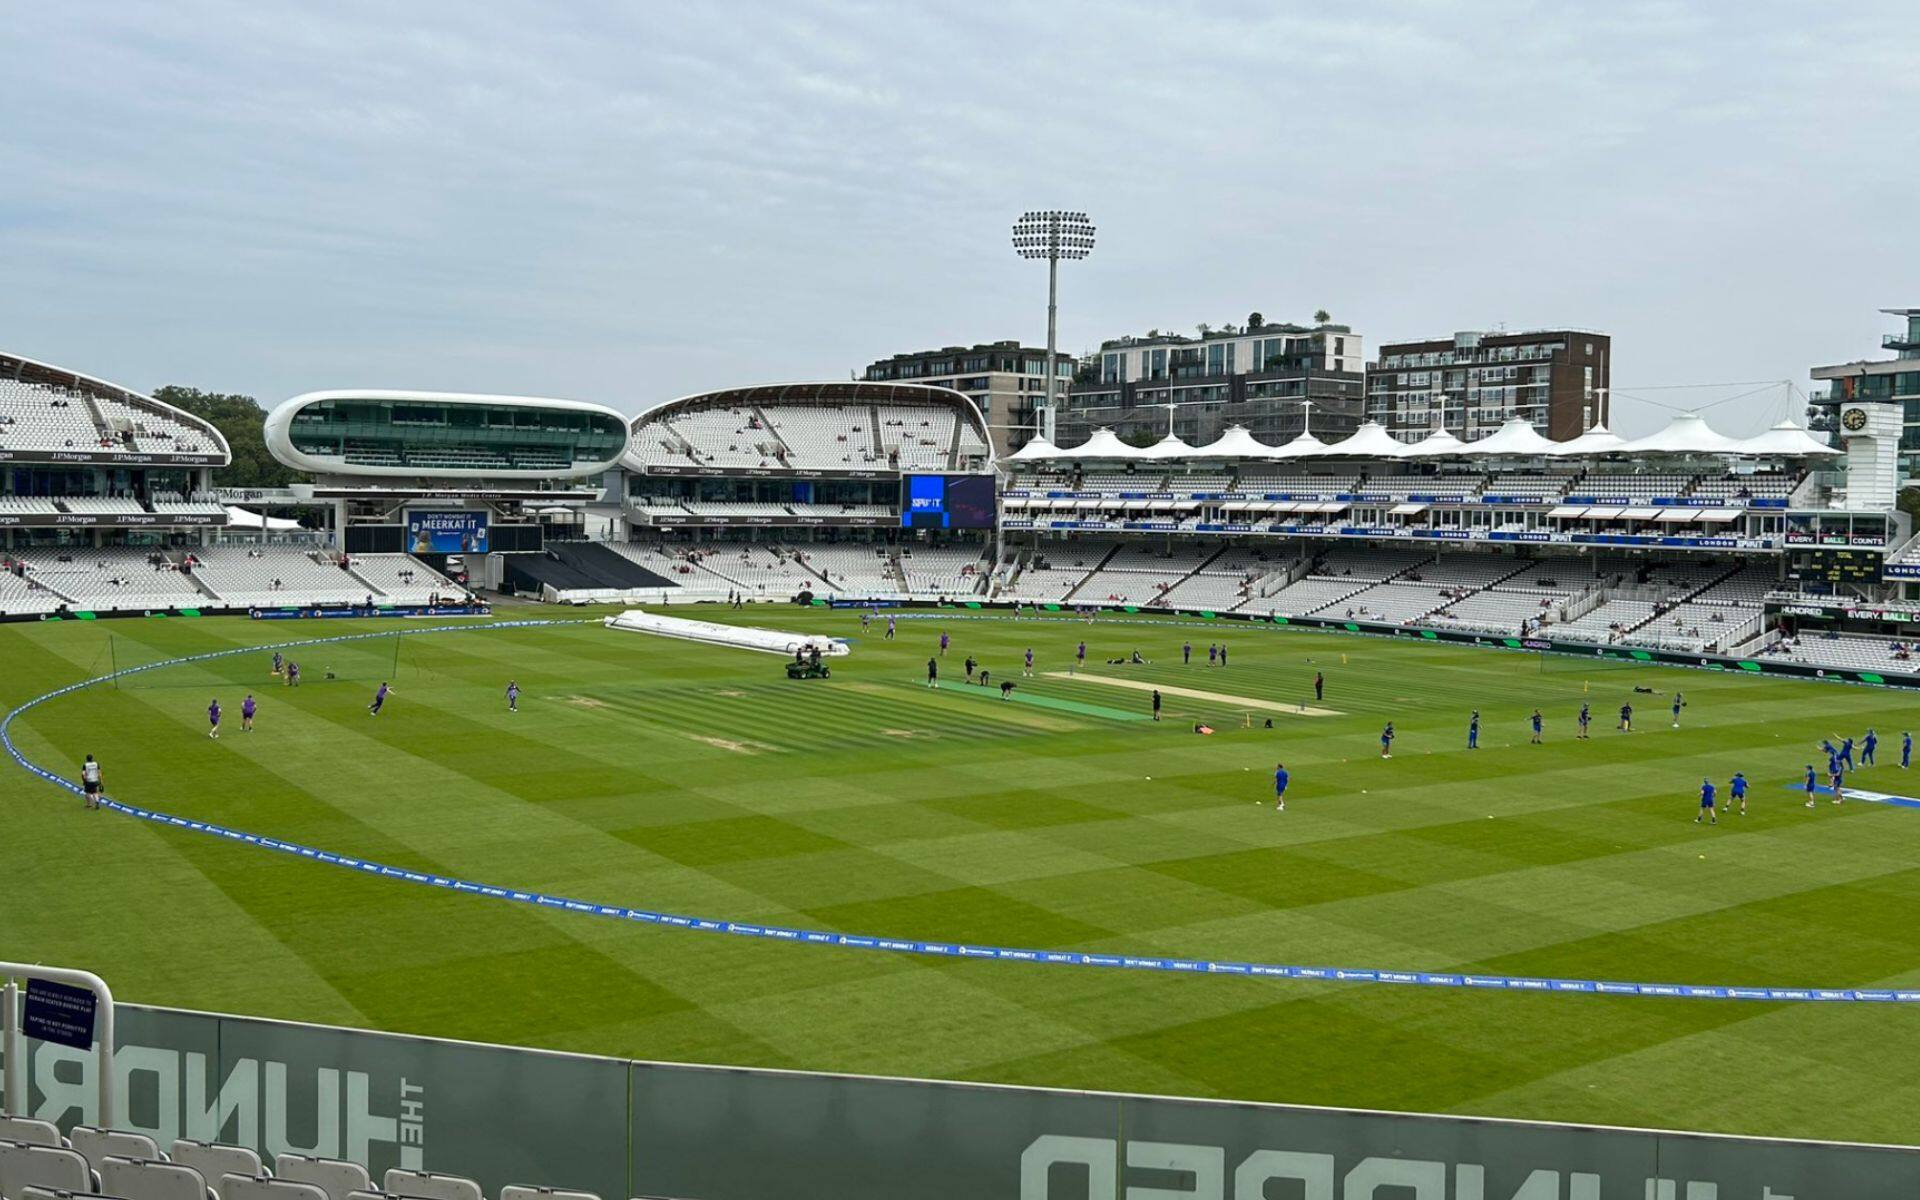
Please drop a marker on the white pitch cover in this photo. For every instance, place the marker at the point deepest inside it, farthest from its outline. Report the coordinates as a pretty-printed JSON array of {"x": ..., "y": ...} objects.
[{"x": 770, "y": 641}]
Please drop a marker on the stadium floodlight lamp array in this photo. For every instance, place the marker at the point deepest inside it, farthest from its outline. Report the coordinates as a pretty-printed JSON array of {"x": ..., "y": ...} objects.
[{"x": 1053, "y": 235}]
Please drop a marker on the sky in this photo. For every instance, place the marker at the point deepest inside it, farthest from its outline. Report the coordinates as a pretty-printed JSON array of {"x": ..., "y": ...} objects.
[{"x": 631, "y": 202}]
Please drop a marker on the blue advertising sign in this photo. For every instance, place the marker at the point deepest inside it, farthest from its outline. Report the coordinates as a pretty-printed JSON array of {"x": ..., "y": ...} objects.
[
  {"x": 447, "y": 532},
  {"x": 59, "y": 1013}
]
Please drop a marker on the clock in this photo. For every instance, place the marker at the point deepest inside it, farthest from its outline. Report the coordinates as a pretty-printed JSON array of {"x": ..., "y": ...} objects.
[{"x": 1854, "y": 419}]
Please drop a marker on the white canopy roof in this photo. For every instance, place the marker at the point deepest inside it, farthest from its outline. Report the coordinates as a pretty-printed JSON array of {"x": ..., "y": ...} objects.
[
  {"x": 1598, "y": 440},
  {"x": 1434, "y": 445},
  {"x": 1103, "y": 444},
  {"x": 1516, "y": 438},
  {"x": 1371, "y": 440},
  {"x": 1687, "y": 433},
  {"x": 1786, "y": 440},
  {"x": 243, "y": 518},
  {"x": 1304, "y": 446},
  {"x": 1170, "y": 446},
  {"x": 1037, "y": 448},
  {"x": 1236, "y": 442}
]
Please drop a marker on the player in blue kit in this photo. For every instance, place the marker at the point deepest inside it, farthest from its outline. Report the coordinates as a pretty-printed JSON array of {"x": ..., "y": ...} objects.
[
  {"x": 1586, "y": 719},
  {"x": 1473, "y": 730},
  {"x": 1386, "y": 741},
  {"x": 1706, "y": 803},
  {"x": 513, "y": 695},
  {"x": 1280, "y": 781},
  {"x": 1813, "y": 785},
  {"x": 1837, "y": 780},
  {"x": 1186, "y": 654},
  {"x": 379, "y": 699},
  {"x": 1737, "y": 788},
  {"x": 1626, "y": 718},
  {"x": 213, "y": 719},
  {"x": 1536, "y": 727},
  {"x": 1678, "y": 704},
  {"x": 1867, "y": 746},
  {"x": 1906, "y": 749},
  {"x": 246, "y": 714},
  {"x": 1846, "y": 753}
]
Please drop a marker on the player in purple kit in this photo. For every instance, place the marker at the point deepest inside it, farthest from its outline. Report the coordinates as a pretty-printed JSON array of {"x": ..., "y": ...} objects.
[
  {"x": 213, "y": 719},
  {"x": 1029, "y": 669},
  {"x": 943, "y": 643},
  {"x": 1080, "y": 656},
  {"x": 293, "y": 673},
  {"x": 513, "y": 695},
  {"x": 246, "y": 714},
  {"x": 379, "y": 699}
]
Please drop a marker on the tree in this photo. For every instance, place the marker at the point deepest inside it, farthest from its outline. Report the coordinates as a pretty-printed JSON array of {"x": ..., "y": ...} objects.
[
  {"x": 1204, "y": 328},
  {"x": 239, "y": 419},
  {"x": 1256, "y": 321},
  {"x": 1321, "y": 316}
]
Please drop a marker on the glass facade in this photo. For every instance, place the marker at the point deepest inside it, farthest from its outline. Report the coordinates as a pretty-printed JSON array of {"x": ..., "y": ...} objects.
[{"x": 430, "y": 436}]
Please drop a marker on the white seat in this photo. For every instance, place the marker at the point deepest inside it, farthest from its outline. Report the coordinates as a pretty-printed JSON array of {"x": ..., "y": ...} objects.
[
  {"x": 40, "y": 1193},
  {"x": 334, "y": 1176},
  {"x": 95, "y": 1145},
  {"x": 30, "y": 1131},
  {"x": 215, "y": 1161},
  {"x": 428, "y": 1185},
  {"x": 266, "y": 1187},
  {"x": 516, "y": 1191},
  {"x": 150, "y": 1179},
  {"x": 54, "y": 1168}
]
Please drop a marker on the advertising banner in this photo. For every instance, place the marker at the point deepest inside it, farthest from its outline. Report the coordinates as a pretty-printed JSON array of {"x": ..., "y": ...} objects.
[{"x": 457, "y": 532}]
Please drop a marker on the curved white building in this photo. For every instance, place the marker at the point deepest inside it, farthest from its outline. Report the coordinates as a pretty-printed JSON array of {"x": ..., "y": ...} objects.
[{"x": 383, "y": 434}]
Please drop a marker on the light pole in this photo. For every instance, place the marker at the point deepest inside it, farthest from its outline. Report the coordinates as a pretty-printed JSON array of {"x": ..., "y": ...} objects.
[{"x": 1053, "y": 236}]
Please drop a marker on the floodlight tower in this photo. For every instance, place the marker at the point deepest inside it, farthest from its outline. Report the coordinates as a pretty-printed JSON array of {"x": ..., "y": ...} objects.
[{"x": 1053, "y": 236}]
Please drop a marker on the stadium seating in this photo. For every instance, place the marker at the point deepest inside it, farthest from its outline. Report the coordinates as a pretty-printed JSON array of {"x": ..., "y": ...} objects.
[
  {"x": 275, "y": 575},
  {"x": 29, "y": 1131},
  {"x": 145, "y": 1176},
  {"x": 96, "y": 1145},
  {"x": 402, "y": 578},
  {"x": 1395, "y": 603},
  {"x": 114, "y": 578},
  {"x": 101, "y": 504},
  {"x": 942, "y": 570},
  {"x": 334, "y": 1176},
  {"x": 917, "y": 438},
  {"x": 266, "y": 1187},
  {"x": 1606, "y": 622},
  {"x": 1307, "y": 595},
  {"x": 198, "y": 504},
  {"x": 40, "y": 418},
  {"x": 55, "y": 1168},
  {"x": 215, "y": 1161},
  {"x": 429, "y": 1185},
  {"x": 1850, "y": 652}
]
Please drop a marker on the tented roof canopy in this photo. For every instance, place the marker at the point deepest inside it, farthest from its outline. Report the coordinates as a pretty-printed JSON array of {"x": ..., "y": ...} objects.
[
  {"x": 1236, "y": 442},
  {"x": 1598, "y": 440},
  {"x": 1786, "y": 440},
  {"x": 1371, "y": 440},
  {"x": 1687, "y": 433},
  {"x": 1103, "y": 444},
  {"x": 1437, "y": 444},
  {"x": 1517, "y": 438},
  {"x": 1034, "y": 450},
  {"x": 1170, "y": 446},
  {"x": 1304, "y": 446}
]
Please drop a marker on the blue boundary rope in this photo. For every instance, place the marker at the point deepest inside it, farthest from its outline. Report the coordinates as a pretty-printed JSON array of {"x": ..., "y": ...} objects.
[{"x": 1189, "y": 966}]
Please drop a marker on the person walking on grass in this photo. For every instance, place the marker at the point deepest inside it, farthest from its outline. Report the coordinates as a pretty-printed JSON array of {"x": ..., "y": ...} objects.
[
  {"x": 246, "y": 714},
  {"x": 1678, "y": 703},
  {"x": 1028, "y": 671},
  {"x": 1319, "y": 687},
  {"x": 513, "y": 695},
  {"x": 1906, "y": 750},
  {"x": 213, "y": 719},
  {"x": 1867, "y": 746},
  {"x": 1473, "y": 730},
  {"x": 1586, "y": 718},
  {"x": 1737, "y": 788},
  {"x": 933, "y": 673},
  {"x": 90, "y": 781},
  {"x": 1386, "y": 741},
  {"x": 1156, "y": 704},
  {"x": 1280, "y": 781},
  {"x": 1813, "y": 784},
  {"x": 1536, "y": 727}
]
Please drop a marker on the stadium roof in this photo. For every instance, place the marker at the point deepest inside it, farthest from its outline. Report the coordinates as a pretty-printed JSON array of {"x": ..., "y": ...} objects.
[
  {"x": 1685, "y": 434},
  {"x": 32, "y": 371}
]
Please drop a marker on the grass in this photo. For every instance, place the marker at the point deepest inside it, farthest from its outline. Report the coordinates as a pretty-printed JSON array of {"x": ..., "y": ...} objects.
[{"x": 697, "y": 780}]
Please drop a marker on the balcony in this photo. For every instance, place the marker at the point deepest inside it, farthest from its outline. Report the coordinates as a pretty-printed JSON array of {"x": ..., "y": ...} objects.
[{"x": 1904, "y": 344}]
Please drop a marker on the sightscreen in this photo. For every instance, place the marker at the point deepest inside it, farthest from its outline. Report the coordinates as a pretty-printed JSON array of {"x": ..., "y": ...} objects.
[{"x": 947, "y": 502}]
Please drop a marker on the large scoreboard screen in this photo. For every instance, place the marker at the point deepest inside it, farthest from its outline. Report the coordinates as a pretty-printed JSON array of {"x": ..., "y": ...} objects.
[
  {"x": 1835, "y": 564},
  {"x": 946, "y": 502}
]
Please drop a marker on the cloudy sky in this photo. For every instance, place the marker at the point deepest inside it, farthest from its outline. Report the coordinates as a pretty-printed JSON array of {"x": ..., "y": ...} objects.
[{"x": 628, "y": 202}]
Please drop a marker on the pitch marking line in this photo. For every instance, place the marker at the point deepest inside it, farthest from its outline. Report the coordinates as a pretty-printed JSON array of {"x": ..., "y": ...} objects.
[{"x": 1168, "y": 689}]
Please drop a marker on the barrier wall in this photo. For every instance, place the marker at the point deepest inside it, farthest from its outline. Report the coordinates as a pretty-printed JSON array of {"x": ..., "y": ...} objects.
[{"x": 622, "y": 1128}]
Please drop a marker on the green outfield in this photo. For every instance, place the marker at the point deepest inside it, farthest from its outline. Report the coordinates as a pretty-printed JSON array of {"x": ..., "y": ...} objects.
[{"x": 698, "y": 780}]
